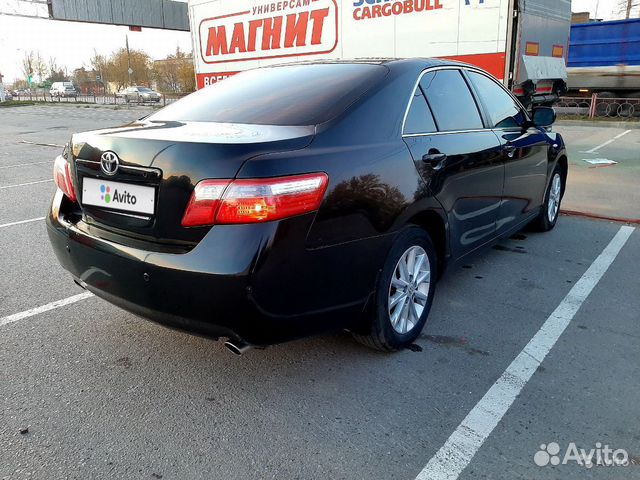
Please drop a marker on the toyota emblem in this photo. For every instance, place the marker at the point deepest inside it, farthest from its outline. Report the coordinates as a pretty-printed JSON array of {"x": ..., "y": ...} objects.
[{"x": 109, "y": 163}]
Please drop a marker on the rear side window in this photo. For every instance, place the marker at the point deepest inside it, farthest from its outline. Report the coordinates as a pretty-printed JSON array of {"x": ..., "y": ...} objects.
[
  {"x": 503, "y": 111},
  {"x": 419, "y": 118},
  {"x": 451, "y": 101},
  {"x": 286, "y": 95}
]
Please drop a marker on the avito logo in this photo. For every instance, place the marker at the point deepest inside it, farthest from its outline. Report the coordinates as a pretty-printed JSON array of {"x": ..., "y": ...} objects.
[
  {"x": 124, "y": 197},
  {"x": 105, "y": 193}
]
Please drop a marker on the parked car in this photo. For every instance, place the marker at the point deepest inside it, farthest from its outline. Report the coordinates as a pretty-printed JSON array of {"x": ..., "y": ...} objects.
[
  {"x": 63, "y": 89},
  {"x": 291, "y": 200},
  {"x": 139, "y": 94}
]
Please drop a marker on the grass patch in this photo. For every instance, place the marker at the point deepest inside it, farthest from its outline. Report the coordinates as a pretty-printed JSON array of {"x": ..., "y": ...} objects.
[{"x": 16, "y": 103}]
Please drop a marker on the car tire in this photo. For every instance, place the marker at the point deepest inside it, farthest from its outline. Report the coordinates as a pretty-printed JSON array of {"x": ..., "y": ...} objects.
[
  {"x": 389, "y": 329},
  {"x": 548, "y": 216}
]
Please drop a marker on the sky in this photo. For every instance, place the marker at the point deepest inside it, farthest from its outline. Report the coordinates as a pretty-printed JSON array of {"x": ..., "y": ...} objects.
[
  {"x": 606, "y": 9},
  {"x": 72, "y": 44}
]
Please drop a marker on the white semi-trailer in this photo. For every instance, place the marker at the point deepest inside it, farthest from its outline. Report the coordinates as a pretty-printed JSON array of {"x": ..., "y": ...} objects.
[{"x": 523, "y": 43}]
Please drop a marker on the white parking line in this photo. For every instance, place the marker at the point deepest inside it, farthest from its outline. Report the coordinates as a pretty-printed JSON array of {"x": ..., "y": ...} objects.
[
  {"x": 453, "y": 457},
  {"x": 595, "y": 149},
  {"x": 44, "y": 308},
  {"x": 25, "y": 184},
  {"x": 21, "y": 222},
  {"x": 25, "y": 164}
]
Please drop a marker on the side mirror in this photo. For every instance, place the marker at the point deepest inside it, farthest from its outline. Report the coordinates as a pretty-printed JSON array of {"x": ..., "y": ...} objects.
[{"x": 544, "y": 116}]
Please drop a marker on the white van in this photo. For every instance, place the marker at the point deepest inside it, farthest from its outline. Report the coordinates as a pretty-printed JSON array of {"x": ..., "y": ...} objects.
[{"x": 63, "y": 89}]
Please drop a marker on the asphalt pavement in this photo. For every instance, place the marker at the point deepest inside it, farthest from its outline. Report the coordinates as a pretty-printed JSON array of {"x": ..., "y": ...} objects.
[
  {"x": 605, "y": 169},
  {"x": 88, "y": 391}
]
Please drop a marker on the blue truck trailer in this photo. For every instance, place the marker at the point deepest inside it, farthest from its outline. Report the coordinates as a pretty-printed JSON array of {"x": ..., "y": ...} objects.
[{"x": 604, "y": 58}]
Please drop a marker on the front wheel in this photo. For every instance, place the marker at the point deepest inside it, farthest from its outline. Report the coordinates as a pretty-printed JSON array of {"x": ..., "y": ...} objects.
[
  {"x": 550, "y": 211},
  {"x": 404, "y": 293}
]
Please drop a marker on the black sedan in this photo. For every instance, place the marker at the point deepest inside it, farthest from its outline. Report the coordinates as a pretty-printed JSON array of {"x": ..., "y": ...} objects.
[{"x": 296, "y": 199}]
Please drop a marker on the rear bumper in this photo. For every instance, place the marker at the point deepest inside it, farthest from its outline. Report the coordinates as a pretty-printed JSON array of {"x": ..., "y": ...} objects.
[
  {"x": 216, "y": 289},
  {"x": 167, "y": 288}
]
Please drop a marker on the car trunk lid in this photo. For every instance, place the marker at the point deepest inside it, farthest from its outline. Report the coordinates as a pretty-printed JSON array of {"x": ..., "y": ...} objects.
[{"x": 136, "y": 180}]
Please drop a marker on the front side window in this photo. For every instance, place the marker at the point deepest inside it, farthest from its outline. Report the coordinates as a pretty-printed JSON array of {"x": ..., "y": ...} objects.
[
  {"x": 451, "y": 101},
  {"x": 503, "y": 111}
]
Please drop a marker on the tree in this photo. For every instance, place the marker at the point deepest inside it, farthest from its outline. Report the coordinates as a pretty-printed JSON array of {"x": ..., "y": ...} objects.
[
  {"x": 165, "y": 74},
  {"x": 99, "y": 65},
  {"x": 27, "y": 64},
  {"x": 34, "y": 66},
  {"x": 39, "y": 66},
  {"x": 628, "y": 8},
  {"x": 175, "y": 73},
  {"x": 187, "y": 75},
  {"x": 116, "y": 68},
  {"x": 20, "y": 84},
  {"x": 98, "y": 62},
  {"x": 56, "y": 73}
]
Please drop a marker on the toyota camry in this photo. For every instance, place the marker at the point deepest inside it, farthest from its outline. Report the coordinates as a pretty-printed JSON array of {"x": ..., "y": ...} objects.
[{"x": 296, "y": 199}]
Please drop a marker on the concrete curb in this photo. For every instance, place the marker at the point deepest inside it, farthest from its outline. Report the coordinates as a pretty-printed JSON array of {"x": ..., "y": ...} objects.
[
  {"x": 575, "y": 213},
  {"x": 598, "y": 123}
]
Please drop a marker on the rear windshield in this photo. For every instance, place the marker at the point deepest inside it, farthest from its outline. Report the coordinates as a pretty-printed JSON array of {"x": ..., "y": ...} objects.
[{"x": 287, "y": 95}]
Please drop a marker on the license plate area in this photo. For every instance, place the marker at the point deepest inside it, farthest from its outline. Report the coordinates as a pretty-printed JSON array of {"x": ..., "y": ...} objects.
[{"x": 119, "y": 196}]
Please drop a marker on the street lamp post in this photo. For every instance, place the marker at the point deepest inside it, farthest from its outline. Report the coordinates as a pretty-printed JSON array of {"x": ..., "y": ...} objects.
[{"x": 129, "y": 70}]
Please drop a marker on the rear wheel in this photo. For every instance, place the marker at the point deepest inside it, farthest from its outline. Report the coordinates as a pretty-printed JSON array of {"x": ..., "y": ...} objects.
[
  {"x": 404, "y": 293},
  {"x": 548, "y": 216}
]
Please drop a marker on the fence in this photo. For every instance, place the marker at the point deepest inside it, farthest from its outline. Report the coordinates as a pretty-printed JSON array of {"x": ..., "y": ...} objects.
[
  {"x": 580, "y": 107},
  {"x": 111, "y": 99},
  {"x": 599, "y": 107}
]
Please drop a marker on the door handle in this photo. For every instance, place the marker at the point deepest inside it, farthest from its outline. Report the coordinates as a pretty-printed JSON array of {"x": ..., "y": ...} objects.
[
  {"x": 510, "y": 149},
  {"x": 436, "y": 160}
]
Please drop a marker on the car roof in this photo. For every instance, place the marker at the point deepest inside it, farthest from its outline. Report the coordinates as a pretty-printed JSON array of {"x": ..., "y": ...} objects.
[
  {"x": 389, "y": 61},
  {"x": 398, "y": 65}
]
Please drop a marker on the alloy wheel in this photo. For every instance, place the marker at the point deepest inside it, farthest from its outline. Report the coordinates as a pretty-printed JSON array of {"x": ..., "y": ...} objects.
[
  {"x": 553, "y": 203},
  {"x": 409, "y": 289}
]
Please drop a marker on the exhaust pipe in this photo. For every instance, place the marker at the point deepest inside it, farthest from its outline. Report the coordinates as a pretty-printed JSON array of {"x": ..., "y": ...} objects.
[{"x": 237, "y": 348}]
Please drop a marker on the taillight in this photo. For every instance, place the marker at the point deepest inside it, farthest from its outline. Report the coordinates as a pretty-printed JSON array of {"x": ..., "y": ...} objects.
[
  {"x": 204, "y": 203},
  {"x": 252, "y": 201},
  {"x": 62, "y": 177}
]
